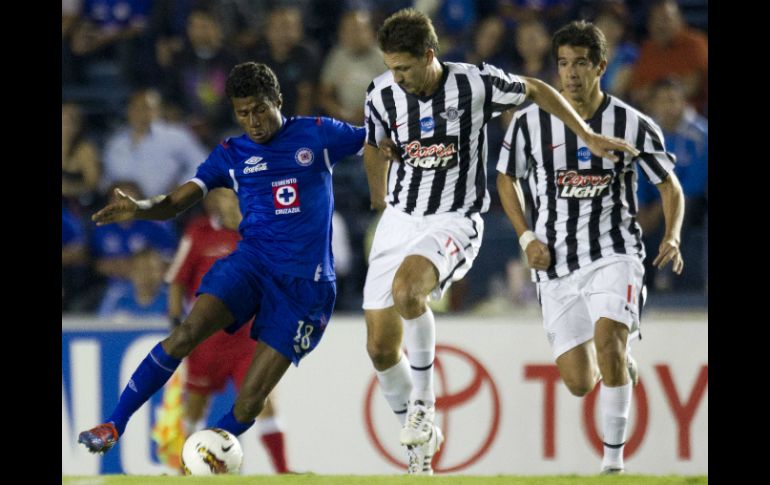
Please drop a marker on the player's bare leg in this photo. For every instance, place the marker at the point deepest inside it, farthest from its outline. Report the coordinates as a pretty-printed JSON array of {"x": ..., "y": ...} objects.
[
  {"x": 610, "y": 338},
  {"x": 579, "y": 368},
  {"x": 413, "y": 282},
  {"x": 267, "y": 368},
  {"x": 194, "y": 411},
  {"x": 208, "y": 315},
  {"x": 384, "y": 332}
]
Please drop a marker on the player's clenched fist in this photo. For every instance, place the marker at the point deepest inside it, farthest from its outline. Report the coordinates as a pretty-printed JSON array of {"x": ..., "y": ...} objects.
[{"x": 538, "y": 255}]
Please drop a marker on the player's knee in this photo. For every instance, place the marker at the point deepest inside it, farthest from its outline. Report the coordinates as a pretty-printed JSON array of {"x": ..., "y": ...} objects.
[
  {"x": 611, "y": 356},
  {"x": 408, "y": 299},
  {"x": 382, "y": 354},
  {"x": 579, "y": 388},
  {"x": 181, "y": 342},
  {"x": 612, "y": 362}
]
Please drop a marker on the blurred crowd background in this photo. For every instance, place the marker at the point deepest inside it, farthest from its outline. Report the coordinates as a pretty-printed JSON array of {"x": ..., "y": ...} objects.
[{"x": 143, "y": 103}]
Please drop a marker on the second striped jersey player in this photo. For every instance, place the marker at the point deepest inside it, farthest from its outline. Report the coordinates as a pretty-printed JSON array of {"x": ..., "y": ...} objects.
[{"x": 586, "y": 250}]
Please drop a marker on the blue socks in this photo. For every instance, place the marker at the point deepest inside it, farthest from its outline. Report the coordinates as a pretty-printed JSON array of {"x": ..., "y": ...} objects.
[
  {"x": 150, "y": 376},
  {"x": 229, "y": 423}
]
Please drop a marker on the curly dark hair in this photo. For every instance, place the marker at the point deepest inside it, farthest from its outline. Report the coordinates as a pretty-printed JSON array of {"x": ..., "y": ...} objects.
[
  {"x": 253, "y": 79},
  {"x": 408, "y": 30},
  {"x": 581, "y": 33}
]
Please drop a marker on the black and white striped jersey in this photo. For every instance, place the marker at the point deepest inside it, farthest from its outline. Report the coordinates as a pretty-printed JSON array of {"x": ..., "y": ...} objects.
[
  {"x": 585, "y": 206},
  {"x": 442, "y": 138}
]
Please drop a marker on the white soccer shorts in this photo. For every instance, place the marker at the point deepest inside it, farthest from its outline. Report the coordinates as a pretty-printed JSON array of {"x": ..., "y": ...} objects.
[
  {"x": 611, "y": 287},
  {"x": 450, "y": 241}
]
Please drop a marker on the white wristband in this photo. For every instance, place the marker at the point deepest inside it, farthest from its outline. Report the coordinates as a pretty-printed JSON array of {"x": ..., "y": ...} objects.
[
  {"x": 526, "y": 238},
  {"x": 146, "y": 204}
]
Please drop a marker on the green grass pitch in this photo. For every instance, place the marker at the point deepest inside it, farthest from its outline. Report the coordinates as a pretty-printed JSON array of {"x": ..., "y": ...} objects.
[{"x": 311, "y": 479}]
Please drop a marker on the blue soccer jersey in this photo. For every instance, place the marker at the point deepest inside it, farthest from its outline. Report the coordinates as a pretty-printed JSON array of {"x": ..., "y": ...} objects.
[{"x": 284, "y": 189}]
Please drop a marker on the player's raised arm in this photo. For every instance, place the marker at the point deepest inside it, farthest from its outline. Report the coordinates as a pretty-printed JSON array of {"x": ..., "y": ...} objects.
[
  {"x": 160, "y": 207},
  {"x": 551, "y": 101}
]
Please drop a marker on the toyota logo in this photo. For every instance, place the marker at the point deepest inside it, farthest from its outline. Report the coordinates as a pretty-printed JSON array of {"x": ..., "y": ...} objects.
[{"x": 464, "y": 390}]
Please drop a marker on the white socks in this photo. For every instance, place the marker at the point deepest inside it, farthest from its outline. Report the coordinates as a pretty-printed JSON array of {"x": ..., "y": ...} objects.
[
  {"x": 614, "y": 403},
  {"x": 420, "y": 343},
  {"x": 191, "y": 427},
  {"x": 396, "y": 384},
  {"x": 269, "y": 425}
]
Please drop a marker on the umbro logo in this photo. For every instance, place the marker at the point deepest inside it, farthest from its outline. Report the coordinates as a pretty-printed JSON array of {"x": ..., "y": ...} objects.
[{"x": 253, "y": 160}]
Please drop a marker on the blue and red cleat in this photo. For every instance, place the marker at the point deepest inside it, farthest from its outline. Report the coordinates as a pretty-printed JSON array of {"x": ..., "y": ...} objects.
[{"x": 99, "y": 439}]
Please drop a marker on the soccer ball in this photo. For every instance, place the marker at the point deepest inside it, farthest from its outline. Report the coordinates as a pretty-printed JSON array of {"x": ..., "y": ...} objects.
[{"x": 212, "y": 451}]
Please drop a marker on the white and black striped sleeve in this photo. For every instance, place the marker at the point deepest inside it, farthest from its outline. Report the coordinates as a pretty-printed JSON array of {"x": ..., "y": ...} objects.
[
  {"x": 375, "y": 126},
  {"x": 513, "y": 153},
  {"x": 507, "y": 90},
  {"x": 656, "y": 162}
]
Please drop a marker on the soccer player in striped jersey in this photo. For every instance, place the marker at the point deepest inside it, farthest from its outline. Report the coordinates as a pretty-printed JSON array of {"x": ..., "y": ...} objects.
[
  {"x": 282, "y": 271},
  {"x": 425, "y": 160},
  {"x": 586, "y": 250}
]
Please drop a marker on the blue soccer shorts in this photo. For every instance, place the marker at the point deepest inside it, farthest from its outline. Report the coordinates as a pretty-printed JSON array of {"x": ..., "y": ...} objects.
[{"x": 291, "y": 313}]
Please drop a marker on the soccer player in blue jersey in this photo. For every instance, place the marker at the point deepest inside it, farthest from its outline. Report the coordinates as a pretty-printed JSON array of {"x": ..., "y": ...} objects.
[{"x": 282, "y": 271}]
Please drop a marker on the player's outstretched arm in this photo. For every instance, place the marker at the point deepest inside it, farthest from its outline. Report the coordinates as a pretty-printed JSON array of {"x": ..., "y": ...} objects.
[
  {"x": 158, "y": 208},
  {"x": 551, "y": 101},
  {"x": 672, "y": 200}
]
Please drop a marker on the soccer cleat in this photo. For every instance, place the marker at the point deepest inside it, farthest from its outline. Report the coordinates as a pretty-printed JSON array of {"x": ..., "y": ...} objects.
[
  {"x": 419, "y": 424},
  {"x": 612, "y": 471},
  {"x": 99, "y": 439},
  {"x": 421, "y": 456},
  {"x": 633, "y": 370}
]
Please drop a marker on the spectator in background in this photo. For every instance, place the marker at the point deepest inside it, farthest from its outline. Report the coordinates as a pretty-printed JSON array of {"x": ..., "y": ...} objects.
[
  {"x": 613, "y": 20},
  {"x": 168, "y": 23},
  {"x": 147, "y": 294},
  {"x": 195, "y": 79},
  {"x": 487, "y": 46},
  {"x": 80, "y": 164},
  {"x": 672, "y": 50},
  {"x": 154, "y": 154},
  {"x": 74, "y": 257},
  {"x": 349, "y": 68},
  {"x": 294, "y": 60},
  {"x": 70, "y": 14},
  {"x": 686, "y": 136},
  {"x": 533, "y": 46},
  {"x": 551, "y": 12},
  {"x": 113, "y": 30}
]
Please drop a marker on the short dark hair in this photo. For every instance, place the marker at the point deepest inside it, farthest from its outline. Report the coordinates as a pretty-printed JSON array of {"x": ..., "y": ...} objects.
[
  {"x": 408, "y": 30},
  {"x": 253, "y": 79},
  {"x": 580, "y": 33}
]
